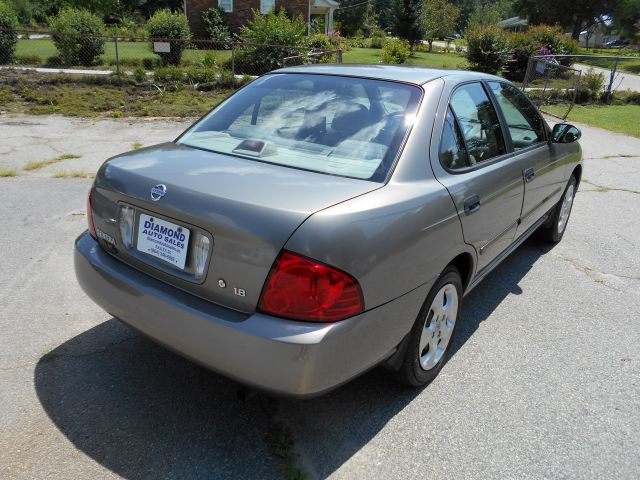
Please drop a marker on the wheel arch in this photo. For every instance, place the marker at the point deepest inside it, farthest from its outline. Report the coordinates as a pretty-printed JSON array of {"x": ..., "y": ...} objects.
[
  {"x": 577, "y": 172},
  {"x": 464, "y": 263}
]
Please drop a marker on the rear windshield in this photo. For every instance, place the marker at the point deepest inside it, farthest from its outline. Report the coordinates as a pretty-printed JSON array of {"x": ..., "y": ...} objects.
[{"x": 352, "y": 127}]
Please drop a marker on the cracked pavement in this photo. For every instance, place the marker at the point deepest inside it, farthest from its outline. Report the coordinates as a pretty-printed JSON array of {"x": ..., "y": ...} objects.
[{"x": 543, "y": 381}]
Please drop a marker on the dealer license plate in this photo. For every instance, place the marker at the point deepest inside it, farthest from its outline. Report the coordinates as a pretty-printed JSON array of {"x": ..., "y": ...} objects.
[{"x": 164, "y": 240}]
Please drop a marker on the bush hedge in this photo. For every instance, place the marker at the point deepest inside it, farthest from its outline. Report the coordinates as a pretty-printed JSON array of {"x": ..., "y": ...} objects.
[
  {"x": 215, "y": 24},
  {"x": 395, "y": 51},
  {"x": 77, "y": 35},
  {"x": 487, "y": 48},
  {"x": 274, "y": 28},
  {"x": 538, "y": 39},
  {"x": 165, "y": 25},
  {"x": 8, "y": 35}
]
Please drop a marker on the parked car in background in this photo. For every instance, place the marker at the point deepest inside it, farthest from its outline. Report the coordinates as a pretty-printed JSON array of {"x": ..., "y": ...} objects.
[{"x": 326, "y": 219}]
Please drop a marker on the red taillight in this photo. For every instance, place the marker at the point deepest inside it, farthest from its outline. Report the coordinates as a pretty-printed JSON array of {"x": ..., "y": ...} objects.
[
  {"x": 303, "y": 289},
  {"x": 92, "y": 230}
]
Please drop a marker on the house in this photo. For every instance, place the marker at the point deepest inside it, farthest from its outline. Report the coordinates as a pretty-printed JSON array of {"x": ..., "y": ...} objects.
[{"x": 239, "y": 11}]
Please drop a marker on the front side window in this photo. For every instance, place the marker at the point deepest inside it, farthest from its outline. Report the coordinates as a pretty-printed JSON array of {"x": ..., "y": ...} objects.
[
  {"x": 345, "y": 126},
  {"x": 226, "y": 5},
  {"x": 267, "y": 5},
  {"x": 478, "y": 122},
  {"x": 525, "y": 123}
]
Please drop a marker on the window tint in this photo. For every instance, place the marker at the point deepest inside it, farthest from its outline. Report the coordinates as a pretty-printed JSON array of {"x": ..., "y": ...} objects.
[
  {"x": 525, "y": 124},
  {"x": 453, "y": 153},
  {"x": 479, "y": 123}
]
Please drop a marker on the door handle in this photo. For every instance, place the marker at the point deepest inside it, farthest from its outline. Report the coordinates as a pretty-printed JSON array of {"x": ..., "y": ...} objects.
[
  {"x": 471, "y": 204},
  {"x": 529, "y": 175}
]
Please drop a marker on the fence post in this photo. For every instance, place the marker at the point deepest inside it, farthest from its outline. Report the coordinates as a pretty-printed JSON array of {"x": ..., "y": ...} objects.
[
  {"x": 115, "y": 40},
  {"x": 233, "y": 58},
  {"x": 339, "y": 56},
  {"x": 611, "y": 78}
]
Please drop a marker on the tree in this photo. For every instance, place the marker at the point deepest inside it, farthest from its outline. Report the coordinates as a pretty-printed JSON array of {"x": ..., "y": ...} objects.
[
  {"x": 578, "y": 15},
  {"x": 407, "y": 20},
  {"x": 439, "y": 19},
  {"x": 626, "y": 17}
]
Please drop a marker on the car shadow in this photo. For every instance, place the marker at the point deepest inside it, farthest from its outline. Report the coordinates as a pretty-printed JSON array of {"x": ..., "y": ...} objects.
[{"x": 144, "y": 412}]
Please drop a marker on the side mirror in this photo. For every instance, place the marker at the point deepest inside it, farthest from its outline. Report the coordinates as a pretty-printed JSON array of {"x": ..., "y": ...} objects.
[{"x": 565, "y": 133}]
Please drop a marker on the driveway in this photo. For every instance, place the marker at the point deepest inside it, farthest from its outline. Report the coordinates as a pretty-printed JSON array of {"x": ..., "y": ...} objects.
[{"x": 543, "y": 381}]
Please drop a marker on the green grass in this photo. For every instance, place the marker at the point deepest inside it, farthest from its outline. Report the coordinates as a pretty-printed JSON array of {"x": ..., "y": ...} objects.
[
  {"x": 37, "y": 164},
  {"x": 130, "y": 53},
  {"x": 626, "y": 65},
  {"x": 617, "y": 118},
  {"x": 8, "y": 172},
  {"x": 421, "y": 59}
]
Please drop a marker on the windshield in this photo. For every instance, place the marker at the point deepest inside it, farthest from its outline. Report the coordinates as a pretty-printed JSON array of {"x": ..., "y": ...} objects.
[{"x": 345, "y": 126}]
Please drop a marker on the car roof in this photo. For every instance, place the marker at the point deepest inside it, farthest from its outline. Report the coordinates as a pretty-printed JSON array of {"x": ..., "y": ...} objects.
[{"x": 398, "y": 73}]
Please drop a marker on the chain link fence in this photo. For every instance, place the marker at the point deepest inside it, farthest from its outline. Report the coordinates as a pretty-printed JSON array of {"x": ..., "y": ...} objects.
[
  {"x": 142, "y": 56},
  {"x": 556, "y": 83}
]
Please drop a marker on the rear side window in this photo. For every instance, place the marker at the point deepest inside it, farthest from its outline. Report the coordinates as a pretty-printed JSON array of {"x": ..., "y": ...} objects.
[
  {"x": 453, "y": 153},
  {"x": 525, "y": 124},
  {"x": 478, "y": 122}
]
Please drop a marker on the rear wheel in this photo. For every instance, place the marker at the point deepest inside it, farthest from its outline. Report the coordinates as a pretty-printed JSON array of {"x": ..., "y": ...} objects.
[
  {"x": 433, "y": 331},
  {"x": 554, "y": 230}
]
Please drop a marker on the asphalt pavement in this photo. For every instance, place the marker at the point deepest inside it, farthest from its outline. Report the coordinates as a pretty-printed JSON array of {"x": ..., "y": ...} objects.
[{"x": 543, "y": 380}]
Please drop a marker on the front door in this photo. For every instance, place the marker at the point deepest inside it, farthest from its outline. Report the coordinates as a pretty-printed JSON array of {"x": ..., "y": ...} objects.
[{"x": 470, "y": 159}]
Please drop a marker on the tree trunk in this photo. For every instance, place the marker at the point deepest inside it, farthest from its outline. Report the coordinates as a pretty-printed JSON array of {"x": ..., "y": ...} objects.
[
  {"x": 430, "y": 43},
  {"x": 577, "y": 26}
]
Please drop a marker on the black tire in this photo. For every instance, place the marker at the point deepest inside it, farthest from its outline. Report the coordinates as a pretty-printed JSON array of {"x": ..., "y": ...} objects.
[
  {"x": 411, "y": 371},
  {"x": 551, "y": 232}
]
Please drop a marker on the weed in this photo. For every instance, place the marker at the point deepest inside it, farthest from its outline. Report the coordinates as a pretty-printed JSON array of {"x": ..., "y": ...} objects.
[
  {"x": 136, "y": 145},
  {"x": 37, "y": 164},
  {"x": 8, "y": 172},
  {"x": 73, "y": 174}
]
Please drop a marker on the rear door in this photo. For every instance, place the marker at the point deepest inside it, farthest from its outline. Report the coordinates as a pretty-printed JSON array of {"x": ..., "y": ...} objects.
[
  {"x": 470, "y": 158},
  {"x": 543, "y": 175}
]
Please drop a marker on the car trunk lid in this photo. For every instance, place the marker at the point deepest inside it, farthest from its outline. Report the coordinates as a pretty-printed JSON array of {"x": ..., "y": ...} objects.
[{"x": 249, "y": 208}]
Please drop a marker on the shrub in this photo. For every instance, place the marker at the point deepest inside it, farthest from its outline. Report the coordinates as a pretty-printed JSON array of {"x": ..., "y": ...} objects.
[
  {"x": 319, "y": 41},
  {"x": 172, "y": 27},
  {"x": 274, "y": 28},
  {"x": 377, "y": 41},
  {"x": 169, "y": 74},
  {"x": 395, "y": 51},
  {"x": 487, "y": 48},
  {"x": 593, "y": 83},
  {"x": 77, "y": 36},
  {"x": 539, "y": 38},
  {"x": 28, "y": 60},
  {"x": 215, "y": 24},
  {"x": 8, "y": 35},
  {"x": 140, "y": 75}
]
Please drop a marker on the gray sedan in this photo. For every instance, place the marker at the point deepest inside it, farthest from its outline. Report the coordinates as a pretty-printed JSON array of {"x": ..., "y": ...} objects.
[{"x": 324, "y": 220}]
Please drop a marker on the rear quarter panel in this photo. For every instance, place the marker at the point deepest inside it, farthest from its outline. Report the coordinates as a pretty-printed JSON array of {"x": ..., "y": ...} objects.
[{"x": 399, "y": 237}]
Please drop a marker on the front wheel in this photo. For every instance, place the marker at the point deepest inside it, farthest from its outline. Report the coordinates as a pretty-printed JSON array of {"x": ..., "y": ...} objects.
[
  {"x": 554, "y": 230},
  {"x": 432, "y": 333}
]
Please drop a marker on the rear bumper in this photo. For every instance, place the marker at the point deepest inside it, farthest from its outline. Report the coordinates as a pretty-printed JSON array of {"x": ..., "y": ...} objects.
[{"x": 274, "y": 354}]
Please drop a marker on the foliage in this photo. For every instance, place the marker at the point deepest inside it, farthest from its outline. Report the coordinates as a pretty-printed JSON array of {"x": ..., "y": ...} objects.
[
  {"x": 395, "y": 51},
  {"x": 274, "y": 28},
  {"x": 575, "y": 15},
  {"x": 537, "y": 38},
  {"x": 593, "y": 83},
  {"x": 215, "y": 24},
  {"x": 407, "y": 20},
  {"x": 626, "y": 17},
  {"x": 487, "y": 49},
  {"x": 356, "y": 15},
  {"x": 77, "y": 36},
  {"x": 167, "y": 25},
  {"x": 485, "y": 15},
  {"x": 8, "y": 35},
  {"x": 439, "y": 19}
]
